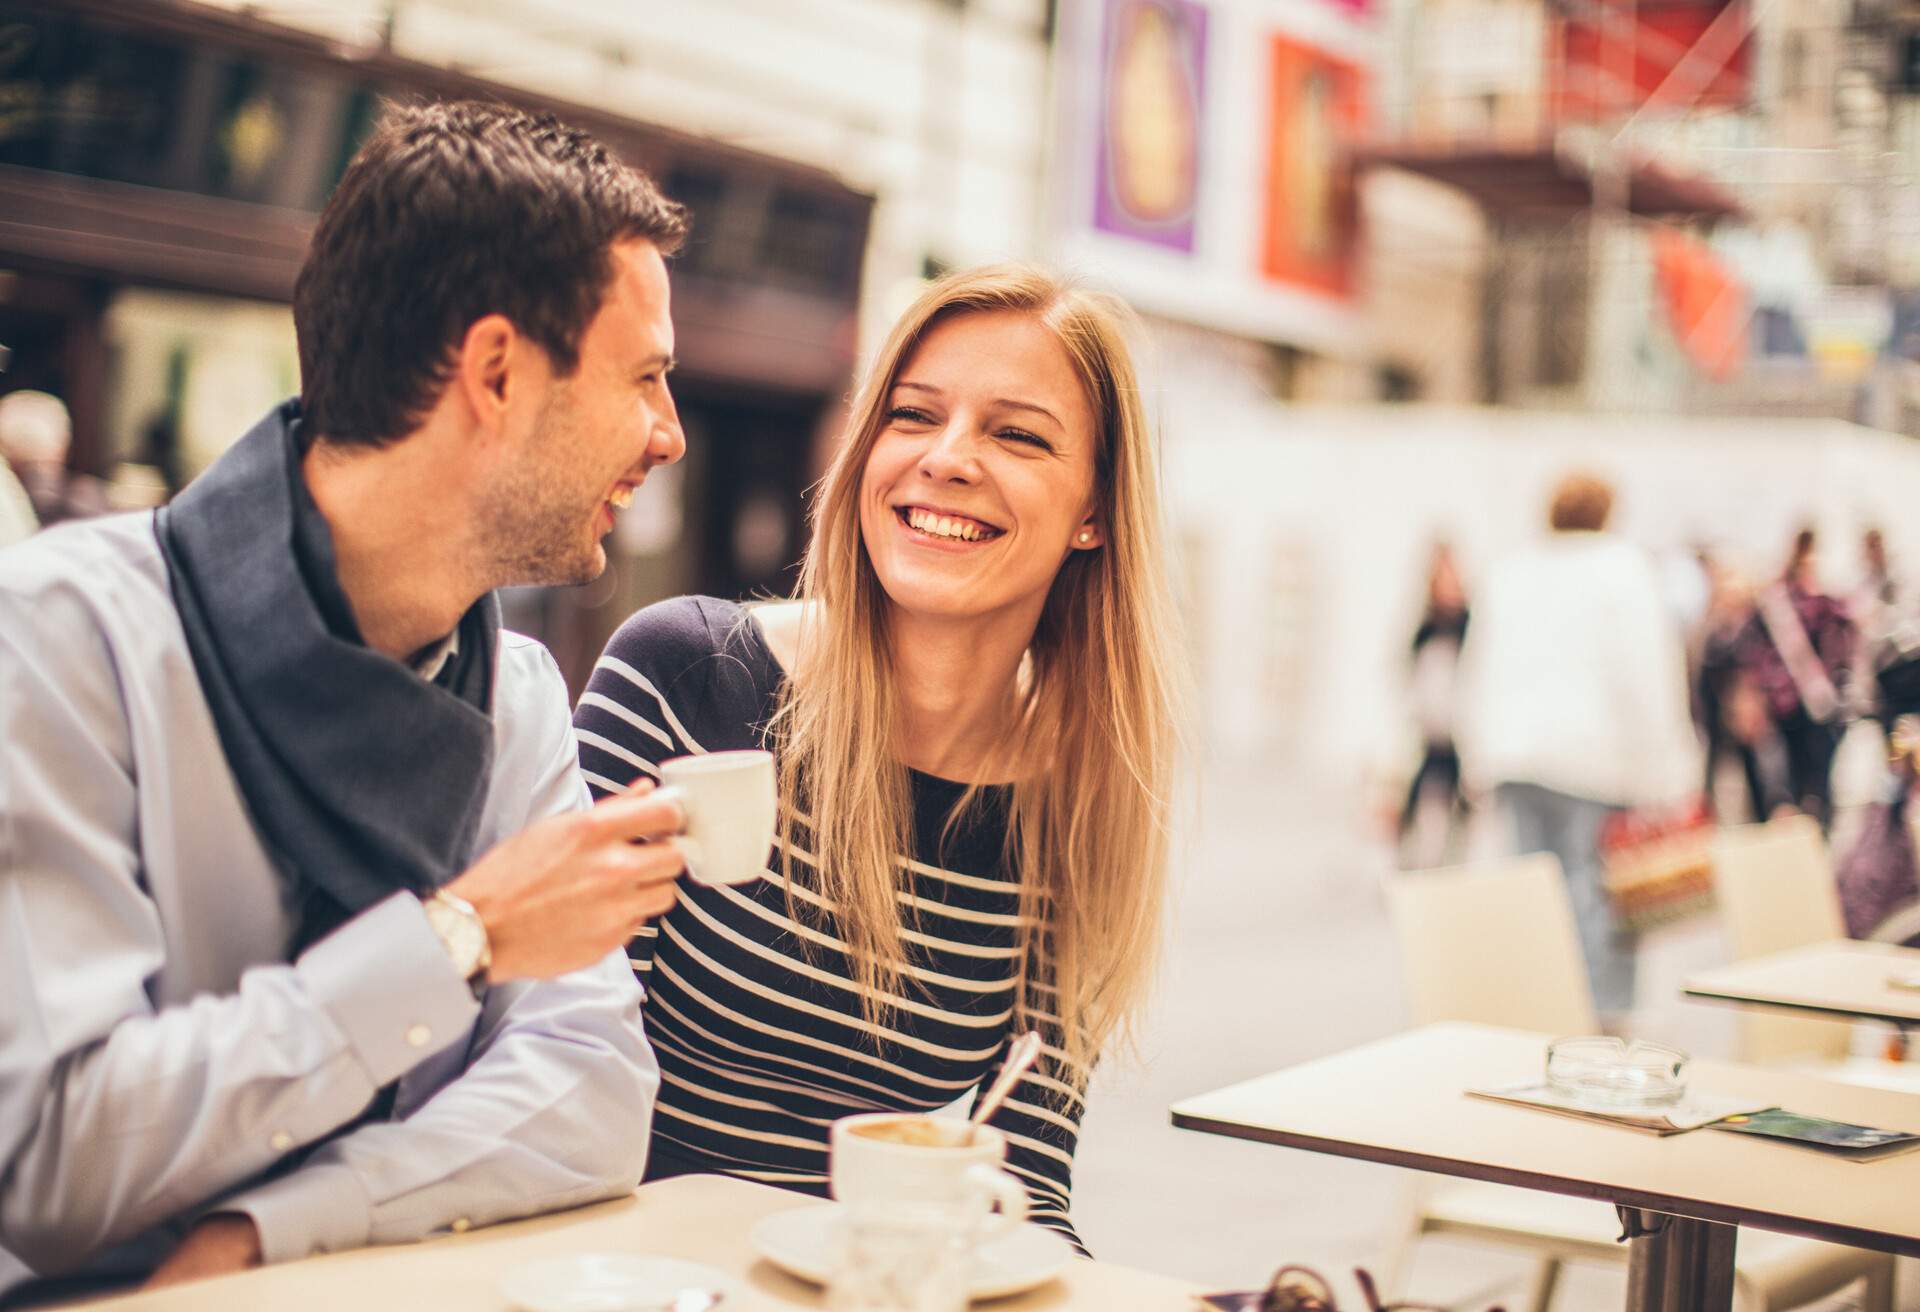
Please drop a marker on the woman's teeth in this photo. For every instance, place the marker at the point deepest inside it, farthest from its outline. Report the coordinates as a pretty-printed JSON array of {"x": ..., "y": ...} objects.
[{"x": 940, "y": 526}]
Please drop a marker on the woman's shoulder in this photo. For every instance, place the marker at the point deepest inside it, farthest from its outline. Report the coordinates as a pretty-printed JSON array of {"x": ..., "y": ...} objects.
[
  {"x": 671, "y": 635},
  {"x": 694, "y": 648}
]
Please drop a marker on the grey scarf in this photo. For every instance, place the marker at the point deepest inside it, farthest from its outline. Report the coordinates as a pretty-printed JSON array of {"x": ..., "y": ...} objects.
[{"x": 362, "y": 778}]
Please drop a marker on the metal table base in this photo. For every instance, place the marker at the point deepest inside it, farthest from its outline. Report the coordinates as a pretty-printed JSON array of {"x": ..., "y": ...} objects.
[{"x": 1677, "y": 1264}]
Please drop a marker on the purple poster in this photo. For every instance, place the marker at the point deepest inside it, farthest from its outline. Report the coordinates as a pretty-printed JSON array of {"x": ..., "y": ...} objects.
[{"x": 1152, "y": 100}]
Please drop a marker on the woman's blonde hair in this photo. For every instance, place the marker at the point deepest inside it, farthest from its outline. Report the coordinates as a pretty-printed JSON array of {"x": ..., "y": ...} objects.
[{"x": 1097, "y": 697}]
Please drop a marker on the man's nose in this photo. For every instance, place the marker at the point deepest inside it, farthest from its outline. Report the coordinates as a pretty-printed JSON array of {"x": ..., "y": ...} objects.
[{"x": 668, "y": 440}]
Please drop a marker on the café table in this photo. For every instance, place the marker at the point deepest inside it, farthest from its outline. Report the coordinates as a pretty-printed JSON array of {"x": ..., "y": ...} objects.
[
  {"x": 698, "y": 1218},
  {"x": 1845, "y": 978},
  {"x": 1403, "y": 1101}
]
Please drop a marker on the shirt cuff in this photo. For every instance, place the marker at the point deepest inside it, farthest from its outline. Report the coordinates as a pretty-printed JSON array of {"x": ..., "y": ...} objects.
[
  {"x": 317, "y": 1209},
  {"x": 385, "y": 979}
]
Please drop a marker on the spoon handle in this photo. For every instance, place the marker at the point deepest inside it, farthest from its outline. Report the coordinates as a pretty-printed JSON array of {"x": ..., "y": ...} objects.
[{"x": 1025, "y": 1049}]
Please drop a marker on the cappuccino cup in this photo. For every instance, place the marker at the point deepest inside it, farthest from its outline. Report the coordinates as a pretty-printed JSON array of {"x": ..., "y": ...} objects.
[
  {"x": 892, "y": 1160},
  {"x": 730, "y": 805}
]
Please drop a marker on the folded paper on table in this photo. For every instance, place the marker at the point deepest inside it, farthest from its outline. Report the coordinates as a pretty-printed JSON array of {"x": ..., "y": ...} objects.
[
  {"x": 1690, "y": 1113},
  {"x": 1857, "y": 1143}
]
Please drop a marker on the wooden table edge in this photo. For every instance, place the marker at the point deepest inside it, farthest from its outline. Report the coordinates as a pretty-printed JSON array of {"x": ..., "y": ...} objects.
[
  {"x": 1813, "y": 1009},
  {"x": 1701, "y": 1211}
]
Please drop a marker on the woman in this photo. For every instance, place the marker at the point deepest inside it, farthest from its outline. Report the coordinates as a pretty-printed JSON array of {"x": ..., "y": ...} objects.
[
  {"x": 1435, "y": 666},
  {"x": 1799, "y": 650},
  {"x": 971, "y": 701}
]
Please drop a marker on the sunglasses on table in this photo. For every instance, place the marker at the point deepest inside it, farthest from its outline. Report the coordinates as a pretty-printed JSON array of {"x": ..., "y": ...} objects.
[{"x": 1302, "y": 1289}]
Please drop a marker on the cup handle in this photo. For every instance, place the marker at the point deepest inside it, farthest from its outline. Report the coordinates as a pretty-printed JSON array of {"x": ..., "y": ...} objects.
[
  {"x": 670, "y": 793},
  {"x": 689, "y": 849},
  {"x": 1002, "y": 1188}
]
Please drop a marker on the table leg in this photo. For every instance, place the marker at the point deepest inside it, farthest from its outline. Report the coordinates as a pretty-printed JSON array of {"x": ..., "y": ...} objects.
[{"x": 1677, "y": 1264}]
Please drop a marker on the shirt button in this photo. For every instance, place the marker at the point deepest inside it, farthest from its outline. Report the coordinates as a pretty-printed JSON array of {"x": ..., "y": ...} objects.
[
  {"x": 419, "y": 1036},
  {"x": 281, "y": 1141},
  {"x": 461, "y": 1225}
]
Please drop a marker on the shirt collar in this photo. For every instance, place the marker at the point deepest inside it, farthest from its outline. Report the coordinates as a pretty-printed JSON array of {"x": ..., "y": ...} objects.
[{"x": 431, "y": 662}]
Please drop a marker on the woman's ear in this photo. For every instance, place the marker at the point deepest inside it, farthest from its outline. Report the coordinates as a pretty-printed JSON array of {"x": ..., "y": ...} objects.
[{"x": 1088, "y": 535}]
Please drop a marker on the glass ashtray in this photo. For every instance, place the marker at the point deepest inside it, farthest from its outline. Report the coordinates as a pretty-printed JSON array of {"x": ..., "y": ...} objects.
[{"x": 1609, "y": 1072}]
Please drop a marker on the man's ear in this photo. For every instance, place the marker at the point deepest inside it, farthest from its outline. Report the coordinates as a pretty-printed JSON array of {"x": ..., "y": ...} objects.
[{"x": 483, "y": 369}]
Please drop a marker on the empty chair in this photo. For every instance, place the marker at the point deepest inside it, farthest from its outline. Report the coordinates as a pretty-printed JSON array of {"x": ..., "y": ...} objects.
[
  {"x": 1496, "y": 944},
  {"x": 1774, "y": 883}
]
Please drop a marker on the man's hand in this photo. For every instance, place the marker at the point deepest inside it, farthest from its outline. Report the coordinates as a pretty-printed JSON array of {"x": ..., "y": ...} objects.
[
  {"x": 217, "y": 1245},
  {"x": 567, "y": 891}
]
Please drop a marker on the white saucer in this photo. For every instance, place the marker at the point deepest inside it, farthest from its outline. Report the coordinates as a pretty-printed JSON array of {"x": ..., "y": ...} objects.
[
  {"x": 800, "y": 1242},
  {"x": 605, "y": 1282}
]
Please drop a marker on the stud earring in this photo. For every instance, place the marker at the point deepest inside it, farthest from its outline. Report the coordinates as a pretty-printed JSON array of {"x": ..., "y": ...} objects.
[{"x": 1086, "y": 536}]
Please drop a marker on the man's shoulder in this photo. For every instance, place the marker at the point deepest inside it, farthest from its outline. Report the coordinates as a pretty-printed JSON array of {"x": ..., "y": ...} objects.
[
  {"x": 102, "y": 551},
  {"x": 528, "y": 678},
  {"x": 92, "y": 571}
]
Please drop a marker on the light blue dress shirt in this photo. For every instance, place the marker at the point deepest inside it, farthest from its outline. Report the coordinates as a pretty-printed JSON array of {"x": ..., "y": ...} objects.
[{"x": 159, "y": 1058}]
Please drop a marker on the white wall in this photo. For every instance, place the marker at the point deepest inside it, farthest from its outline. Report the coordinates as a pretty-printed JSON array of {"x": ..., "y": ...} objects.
[{"x": 1313, "y": 528}]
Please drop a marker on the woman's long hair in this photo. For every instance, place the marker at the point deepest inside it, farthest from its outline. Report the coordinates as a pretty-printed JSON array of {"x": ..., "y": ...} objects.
[{"x": 1097, "y": 695}]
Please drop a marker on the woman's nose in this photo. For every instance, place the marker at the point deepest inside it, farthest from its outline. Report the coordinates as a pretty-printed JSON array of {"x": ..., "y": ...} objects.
[{"x": 951, "y": 456}]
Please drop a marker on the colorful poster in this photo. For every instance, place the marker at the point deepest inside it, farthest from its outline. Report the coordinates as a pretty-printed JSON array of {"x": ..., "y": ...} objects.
[
  {"x": 1659, "y": 40},
  {"x": 1311, "y": 226},
  {"x": 1152, "y": 104}
]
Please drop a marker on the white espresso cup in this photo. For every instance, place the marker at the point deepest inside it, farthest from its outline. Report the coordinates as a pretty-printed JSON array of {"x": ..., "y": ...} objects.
[
  {"x": 730, "y": 805},
  {"x": 939, "y": 1166}
]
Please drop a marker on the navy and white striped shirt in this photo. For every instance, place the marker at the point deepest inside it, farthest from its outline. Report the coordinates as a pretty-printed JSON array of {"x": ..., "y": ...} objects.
[{"x": 754, "y": 1014}]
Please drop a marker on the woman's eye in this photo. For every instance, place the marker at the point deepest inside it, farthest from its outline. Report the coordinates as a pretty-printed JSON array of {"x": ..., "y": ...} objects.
[
  {"x": 1031, "y": 439},
  {"x": 907, "y": 414}
]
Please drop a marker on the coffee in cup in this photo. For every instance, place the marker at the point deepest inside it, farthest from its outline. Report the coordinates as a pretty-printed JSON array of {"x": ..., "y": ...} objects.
[
  {"x": 890, "y": 1159},
  {"x": 916, "y": 1131}
]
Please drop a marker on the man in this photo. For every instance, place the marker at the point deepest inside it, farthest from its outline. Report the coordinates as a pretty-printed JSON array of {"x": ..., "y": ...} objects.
[{"x": 257, "y": 997}]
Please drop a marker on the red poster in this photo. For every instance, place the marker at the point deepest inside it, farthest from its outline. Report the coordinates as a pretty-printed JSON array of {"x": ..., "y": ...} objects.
[
  {"x": 1660, "y": 42},
  {"x": 1311, "y": 228}
]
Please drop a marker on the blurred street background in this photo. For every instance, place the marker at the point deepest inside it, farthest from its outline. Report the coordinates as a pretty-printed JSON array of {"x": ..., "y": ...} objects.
[{"x": 1400, "y": 266}]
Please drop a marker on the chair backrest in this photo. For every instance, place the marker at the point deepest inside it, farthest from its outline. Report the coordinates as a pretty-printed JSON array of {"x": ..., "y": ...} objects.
[
  {"x": 1774, "y": 884},
  {"x": 1493, "y": 943}
]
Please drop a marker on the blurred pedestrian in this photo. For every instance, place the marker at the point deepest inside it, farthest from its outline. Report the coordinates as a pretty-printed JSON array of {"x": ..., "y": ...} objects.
[
  {"x": 1575, "y": 705},
  {"x": 1434, "y": 683},
  {"x": 1732, "y": 718},
  {"x": 1799, "y": 650},
  {"x": 35, "y": 432},
  {"x": 1877, "y": 586},
  {"x": 1876, "y": 607}
]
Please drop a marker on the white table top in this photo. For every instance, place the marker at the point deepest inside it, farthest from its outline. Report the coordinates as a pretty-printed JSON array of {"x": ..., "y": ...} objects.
[
  {"x": 1842, "y": 978},
  {"x": 701, "y": 1218},
  {"x": 1402, "y": 1101}
]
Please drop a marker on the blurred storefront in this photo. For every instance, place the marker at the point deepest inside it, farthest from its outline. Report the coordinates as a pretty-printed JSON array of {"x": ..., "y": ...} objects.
[{"x": 161, "y": 165}]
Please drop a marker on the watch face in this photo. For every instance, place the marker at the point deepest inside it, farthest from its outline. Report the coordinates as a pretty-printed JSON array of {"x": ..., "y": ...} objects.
[{"x": 460, "y": 933}]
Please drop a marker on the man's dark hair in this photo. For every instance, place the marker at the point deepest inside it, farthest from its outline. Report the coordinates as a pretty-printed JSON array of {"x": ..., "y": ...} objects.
[{"x": 449, "y": 213}]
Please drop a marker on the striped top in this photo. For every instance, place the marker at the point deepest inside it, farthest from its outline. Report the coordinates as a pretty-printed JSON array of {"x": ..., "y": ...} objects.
[{"x": 754, "y": 1014}]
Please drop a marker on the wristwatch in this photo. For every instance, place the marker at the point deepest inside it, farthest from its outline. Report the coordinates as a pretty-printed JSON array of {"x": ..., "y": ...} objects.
[{"x": 463, "y": 934}]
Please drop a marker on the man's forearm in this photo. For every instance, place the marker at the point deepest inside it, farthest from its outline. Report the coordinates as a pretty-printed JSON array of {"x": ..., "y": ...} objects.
[
  {"x": 171, "y": 1109},
  {"x": 554, "y": 1111}
]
